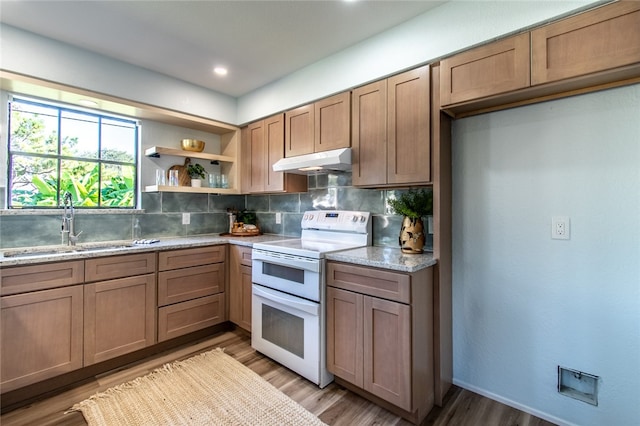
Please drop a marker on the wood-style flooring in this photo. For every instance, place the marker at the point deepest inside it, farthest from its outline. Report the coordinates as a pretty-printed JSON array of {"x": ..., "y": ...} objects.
[{"x": 333, "y": 405}]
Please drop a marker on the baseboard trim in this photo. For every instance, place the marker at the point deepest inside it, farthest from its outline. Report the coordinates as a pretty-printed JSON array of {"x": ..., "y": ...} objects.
[{"x": 513, "y": 404}]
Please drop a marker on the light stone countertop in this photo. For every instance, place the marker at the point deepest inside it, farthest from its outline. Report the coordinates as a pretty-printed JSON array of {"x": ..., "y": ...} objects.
[
  {"x": 385, "y": 257},
  {"x": 380, "y": 257},
  {"x": 42, "y": 254}
]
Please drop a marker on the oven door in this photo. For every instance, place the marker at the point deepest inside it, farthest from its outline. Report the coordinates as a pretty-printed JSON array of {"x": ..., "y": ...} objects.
[
  {"x": 288, "y": 329},
  {"x": 300, "y": 276}
]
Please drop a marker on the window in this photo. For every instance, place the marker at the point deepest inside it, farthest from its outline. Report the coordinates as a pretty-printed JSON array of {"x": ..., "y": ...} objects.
[{"x": 54, "y": 150}]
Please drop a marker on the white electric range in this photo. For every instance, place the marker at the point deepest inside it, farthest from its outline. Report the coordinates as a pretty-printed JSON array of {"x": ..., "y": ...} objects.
[{"x": 288, "y": 292}]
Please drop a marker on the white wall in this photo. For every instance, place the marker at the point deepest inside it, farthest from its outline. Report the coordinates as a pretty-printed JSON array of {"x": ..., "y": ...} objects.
[
  {"x": 454, "y": 26},
  {"x": 27, "y": 53},
  {"x": 524, "y": 303}
]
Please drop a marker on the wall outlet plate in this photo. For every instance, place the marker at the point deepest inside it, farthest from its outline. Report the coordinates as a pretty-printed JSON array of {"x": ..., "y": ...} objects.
[
  {"x": 560, "y": 228},
  {"x": 186, "y": 218}
]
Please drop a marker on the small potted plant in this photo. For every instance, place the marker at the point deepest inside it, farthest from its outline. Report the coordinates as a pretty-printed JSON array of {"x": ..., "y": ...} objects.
[
  {"x": 413, "y": 205},
  {"x": 196, "y": 173}
]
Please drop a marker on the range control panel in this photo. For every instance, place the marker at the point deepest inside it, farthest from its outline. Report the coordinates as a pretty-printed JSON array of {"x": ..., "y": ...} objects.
[{"x": 336, "y": 220}]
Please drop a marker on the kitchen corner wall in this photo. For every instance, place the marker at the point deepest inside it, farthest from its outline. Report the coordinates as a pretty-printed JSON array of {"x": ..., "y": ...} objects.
[{"x": 162, "y": 215}]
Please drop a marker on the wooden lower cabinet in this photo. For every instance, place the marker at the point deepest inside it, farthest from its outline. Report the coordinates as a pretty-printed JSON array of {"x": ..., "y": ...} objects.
[
  {"x": 186, "y": 317},
  {"x": 191, "y": 290},
  {"x": 41, "y": 335},
  {"x": 119, "y": 317},
  {"x": 383, "y": 346},
  {"x": 185, "y": 284},
  {"x": 240, "y": 286}
]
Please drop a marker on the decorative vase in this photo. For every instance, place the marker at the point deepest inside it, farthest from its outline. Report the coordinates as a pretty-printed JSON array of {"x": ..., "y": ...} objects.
[
  {"x": 412, "y": 235},
  {"x": 196, "y": 183}
]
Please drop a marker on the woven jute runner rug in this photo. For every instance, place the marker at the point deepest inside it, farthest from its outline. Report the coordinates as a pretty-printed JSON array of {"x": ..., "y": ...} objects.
[{"x": 208, "y": 389}]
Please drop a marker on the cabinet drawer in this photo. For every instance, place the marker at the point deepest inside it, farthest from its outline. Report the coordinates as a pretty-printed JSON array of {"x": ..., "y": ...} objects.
[
  {"x": 22, "y": 279},
  {"x": 175, "y": 259},
  {"x": 374, "y": 282},
  {"x": 186, "y": 317},
  {"x": 190, "y": 283},
  {"x": 106, "y": 268},
  {"x": 244, "y": 255}
]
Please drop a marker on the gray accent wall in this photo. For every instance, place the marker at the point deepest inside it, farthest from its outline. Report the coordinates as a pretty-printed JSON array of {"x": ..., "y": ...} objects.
[{"x": 161, "y": 216}]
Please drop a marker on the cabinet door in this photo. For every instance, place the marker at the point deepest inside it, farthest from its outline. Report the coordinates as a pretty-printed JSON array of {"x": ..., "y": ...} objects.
[
  {"x": 345, "y": 333},
  {"x": 183, "y": 284},
  {"x": 41, "y": 335},
  {"x": 119, "y": 317},
  {"x": 299, "y": 131},
  {"x": 332, "y": 122},
  {"x": 255, "y": 153},
  {"x": 605, "y": 38},
  {"x": 240, "y": 286},
  {"x": 409, "y": 147},
  {"x": 274, "y": 151},
  {"x": 186, "y": 317},
  {"x": 369, "y": 134},
  {"x": 495, "y": 68},
  {"x": 387, "y": 351}
]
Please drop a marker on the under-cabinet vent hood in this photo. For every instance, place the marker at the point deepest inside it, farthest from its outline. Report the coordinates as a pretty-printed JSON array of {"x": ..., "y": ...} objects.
[{"x": 337, "y": 159}]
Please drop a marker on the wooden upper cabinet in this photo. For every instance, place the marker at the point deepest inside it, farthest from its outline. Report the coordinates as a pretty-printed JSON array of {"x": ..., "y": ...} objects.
[
  {"x": 602, "y": 39},
  {"x": 264, "y": 145},
  {"x": 274, "y": 151},
  {"x": 320, "y": 126},
  {"x": 369, "y": 134},
  {"x": 255, "y": 156},
  {"x": 332, "y": 122},
  {"x": 391, "y": 131},
  {"x": 299, "y": 131},
  {"x": 408, "y": 127},
  {"x": 495, "y": 68}
]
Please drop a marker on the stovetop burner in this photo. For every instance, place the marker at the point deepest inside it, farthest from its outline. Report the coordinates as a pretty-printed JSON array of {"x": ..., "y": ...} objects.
[{"x": 325, "y": 232}]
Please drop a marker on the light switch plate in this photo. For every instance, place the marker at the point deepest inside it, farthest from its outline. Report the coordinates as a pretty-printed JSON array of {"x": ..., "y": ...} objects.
[{"x": 186, "y": 218}]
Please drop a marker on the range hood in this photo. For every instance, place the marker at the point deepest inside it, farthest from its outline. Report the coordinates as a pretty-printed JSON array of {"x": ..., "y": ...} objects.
[{"x": 337, "y": 159}]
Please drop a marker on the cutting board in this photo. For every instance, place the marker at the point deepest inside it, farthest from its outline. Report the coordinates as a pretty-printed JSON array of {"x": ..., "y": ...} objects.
[{"x": 183, "y": 175}]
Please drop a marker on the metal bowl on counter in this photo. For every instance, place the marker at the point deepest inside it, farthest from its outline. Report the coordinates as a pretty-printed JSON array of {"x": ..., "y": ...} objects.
[{"x": 194, "y": 145}]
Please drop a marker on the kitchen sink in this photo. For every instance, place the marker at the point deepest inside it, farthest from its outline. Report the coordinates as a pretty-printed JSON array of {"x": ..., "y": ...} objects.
[{"x": 56, "y": 250}]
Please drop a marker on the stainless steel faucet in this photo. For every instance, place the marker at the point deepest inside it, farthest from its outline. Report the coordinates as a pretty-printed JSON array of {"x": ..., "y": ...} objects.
[{"x": 69, "y": 237}]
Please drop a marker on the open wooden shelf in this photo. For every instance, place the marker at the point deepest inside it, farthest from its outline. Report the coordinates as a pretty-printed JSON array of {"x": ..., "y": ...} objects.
[
  {"x": 157, "y": 151},
  {"x": 190, "y": 189}
]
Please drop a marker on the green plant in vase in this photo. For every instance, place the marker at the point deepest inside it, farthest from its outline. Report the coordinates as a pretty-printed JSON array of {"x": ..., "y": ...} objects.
[
  {"x": 413, "y": 204},
  {"x": 196, "y": 173}
]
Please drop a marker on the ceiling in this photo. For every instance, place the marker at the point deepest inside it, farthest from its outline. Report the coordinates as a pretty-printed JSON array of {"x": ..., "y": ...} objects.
[{"x": 258, "y": 41}]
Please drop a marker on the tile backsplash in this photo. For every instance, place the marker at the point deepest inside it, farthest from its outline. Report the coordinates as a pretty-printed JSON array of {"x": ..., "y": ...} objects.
[{"x": 162, "y": 215}]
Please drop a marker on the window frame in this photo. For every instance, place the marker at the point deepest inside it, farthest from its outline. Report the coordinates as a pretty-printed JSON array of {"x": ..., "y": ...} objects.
[{"x": 99, "y": 116}]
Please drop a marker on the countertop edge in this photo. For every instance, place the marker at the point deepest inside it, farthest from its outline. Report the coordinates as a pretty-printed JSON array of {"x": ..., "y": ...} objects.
[{"x": 378, "y": 257}]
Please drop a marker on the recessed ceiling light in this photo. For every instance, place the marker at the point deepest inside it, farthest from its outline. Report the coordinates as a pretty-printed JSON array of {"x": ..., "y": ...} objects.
[{"x": 220, "y": 70}]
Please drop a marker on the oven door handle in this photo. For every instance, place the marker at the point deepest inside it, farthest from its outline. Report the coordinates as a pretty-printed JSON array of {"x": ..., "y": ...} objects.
[
  {"x": 288, "y": 261},
  {"x": 286, "y": 300}
]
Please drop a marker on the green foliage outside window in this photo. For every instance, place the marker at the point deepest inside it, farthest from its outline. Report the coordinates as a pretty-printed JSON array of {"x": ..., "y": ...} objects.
[{"x": 94, "y": 159}]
